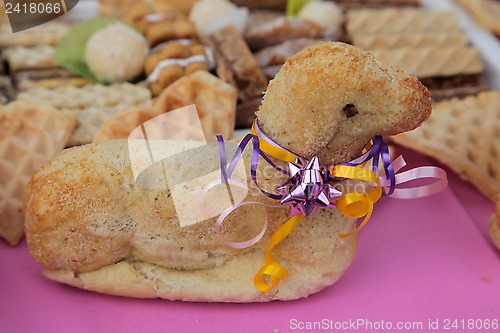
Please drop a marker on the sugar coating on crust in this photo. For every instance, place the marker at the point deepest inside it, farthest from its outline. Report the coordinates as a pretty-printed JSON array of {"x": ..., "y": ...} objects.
[{"x": 315, "y": 85}]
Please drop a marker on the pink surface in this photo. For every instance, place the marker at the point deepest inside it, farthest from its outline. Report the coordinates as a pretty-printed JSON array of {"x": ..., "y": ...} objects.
[{"x": 418, "y": 260}]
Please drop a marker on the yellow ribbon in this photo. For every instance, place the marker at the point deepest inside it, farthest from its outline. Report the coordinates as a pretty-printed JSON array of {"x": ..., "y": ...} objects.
[
  {"x": 354, "y": 205},
  {"x": 272, "y": 150},
  {"x": 272, "y": 268}
]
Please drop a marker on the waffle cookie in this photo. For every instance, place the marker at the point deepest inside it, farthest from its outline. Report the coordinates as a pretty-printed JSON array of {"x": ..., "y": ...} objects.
[
  {"x": 30, "y": 136},
  {"x": 495, "y": 225},
  {"x": 46, "y": 34},
  {"x": 486, "y": 13},
  {"x": 215, "y": 102},
  {"x": 434, "y": 61},
  {"x": 410, "y": 40},
  {"x": 464, "y": 134},
  {"x": 23, "y": 58},
  {"x": 121, "y": 125},
  {"x": 235, "y": 63},
  {"x": 400, "y": 20},
  {"x": 3, "y": 14},
  {"x": 91, "y": 104}
]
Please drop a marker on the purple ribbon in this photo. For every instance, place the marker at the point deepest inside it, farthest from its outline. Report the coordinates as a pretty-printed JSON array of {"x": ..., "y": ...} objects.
[
  {"x": 256, "y": 152},
  {"x": 379, "y": 150}
]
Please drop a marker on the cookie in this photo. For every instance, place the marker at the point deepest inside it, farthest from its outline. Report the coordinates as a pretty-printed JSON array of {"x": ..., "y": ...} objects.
[
  {"x": 278, "y": 54},
  {"x": 215, "y": 102},
  {"x": 160, "y": 21},
  {"x": 376, "y": 4},
  {"x": 209, "y": 16},
  {"x": 46, "y": 34},
  {"x": 458, "y": 86},
  {"x": 7, "y": 91},
  {"x": 245, "y": 112},
  {"x": 91, "y": 104},
  {"x": 434, "y": 61},
  {"x": 26, "y": 58},
  {"x": 409, "y": 40},
  {"x": 30, "y": 136},
  {"x": 235, "y": 63},
  {"x": 400, "y": 20},
  {"x": 279, "y": 30},
  {"x": 494, "y": 225},
  {"x": 486, "y": 13},
  {"x": 47, "y": 78},
  {"x": 463, "y": 134},
  {"x": 121, "y": 125},
  {"x": 173, "y": 60},
  {"x": 262, "y": 4}
]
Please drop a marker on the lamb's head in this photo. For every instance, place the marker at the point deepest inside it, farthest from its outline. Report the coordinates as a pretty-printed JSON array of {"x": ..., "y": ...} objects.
[{"x": 330, "y": 99}]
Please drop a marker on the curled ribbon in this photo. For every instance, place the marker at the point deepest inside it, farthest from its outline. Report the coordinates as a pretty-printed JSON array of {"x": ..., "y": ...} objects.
[{"x": 310, "y": 187}]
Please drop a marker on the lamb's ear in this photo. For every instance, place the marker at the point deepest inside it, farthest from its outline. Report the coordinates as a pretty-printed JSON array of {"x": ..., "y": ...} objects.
[{"x": 332, "y": 98}]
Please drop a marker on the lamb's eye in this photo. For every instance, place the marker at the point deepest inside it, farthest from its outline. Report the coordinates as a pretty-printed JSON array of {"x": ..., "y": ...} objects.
[{"x": 350, "y": 110}]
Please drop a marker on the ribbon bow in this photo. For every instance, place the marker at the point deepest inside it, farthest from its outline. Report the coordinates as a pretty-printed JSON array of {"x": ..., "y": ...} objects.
[{"x": 308, "y": 188}]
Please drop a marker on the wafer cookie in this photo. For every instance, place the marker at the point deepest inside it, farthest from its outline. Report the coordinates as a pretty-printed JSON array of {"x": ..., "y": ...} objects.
[
  {"x": 433, "y": 61},
  {"x": 92, "y": 104},
  {"x": 3, "y": 14},
  {"x": 465, "y": 135},
  {"x": 486, "y": 13},
  {"x": 46, "y": 78},
  {"x": 459, "y": 86},
  {"x": 495, "y": 225},
  {"x": 46, "y": 34},
  {"x": 21, "y": 57},
  {"x": 348, "y": 4},
  {"x": 235, "y": 64},
  {"x": 399, "y": 20},
  {"x": 6, "y": 90},
  {"x": 279, "y": 30},
  {"x": 413, "y": 40},
  {"x": 30, "y": 136}
]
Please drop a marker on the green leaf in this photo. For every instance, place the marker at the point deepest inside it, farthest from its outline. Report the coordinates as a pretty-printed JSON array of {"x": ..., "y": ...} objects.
[
  {"x": 70, "y": 52},
  {"x": 294, "y": 6}
]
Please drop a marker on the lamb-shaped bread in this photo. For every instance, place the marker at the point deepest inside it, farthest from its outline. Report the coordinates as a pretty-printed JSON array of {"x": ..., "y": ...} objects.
[{"x": 89, "y": 225}]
